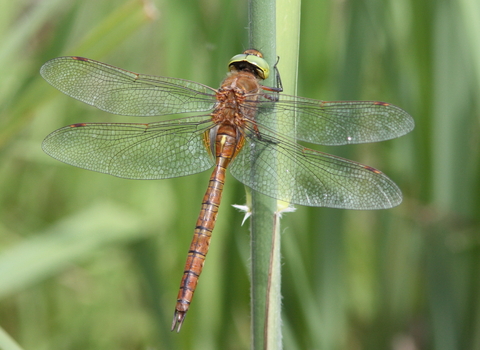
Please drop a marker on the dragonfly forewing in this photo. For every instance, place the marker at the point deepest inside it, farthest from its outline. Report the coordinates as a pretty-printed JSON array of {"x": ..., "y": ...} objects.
[
  {"x": 119, "y": 91},
  {"x": 135, "y": 151},
  {"x": 339, "y": 122}
]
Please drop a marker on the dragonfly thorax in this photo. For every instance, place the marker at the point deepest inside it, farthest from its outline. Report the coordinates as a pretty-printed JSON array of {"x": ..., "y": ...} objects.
[{"x": 236, "y": 99}]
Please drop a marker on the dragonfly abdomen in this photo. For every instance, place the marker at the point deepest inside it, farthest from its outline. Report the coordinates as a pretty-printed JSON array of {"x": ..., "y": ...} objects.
[
  {"x": 226, "y": 146},
  {"x": 201, "y": 241}
]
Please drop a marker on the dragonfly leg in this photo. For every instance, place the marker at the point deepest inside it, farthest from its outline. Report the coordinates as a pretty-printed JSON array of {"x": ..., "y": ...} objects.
[{"x": 278, "y": 82}]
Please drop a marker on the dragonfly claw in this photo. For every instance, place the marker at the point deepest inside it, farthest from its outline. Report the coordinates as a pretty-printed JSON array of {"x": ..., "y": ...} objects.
[{"x": 178, "y": 318}]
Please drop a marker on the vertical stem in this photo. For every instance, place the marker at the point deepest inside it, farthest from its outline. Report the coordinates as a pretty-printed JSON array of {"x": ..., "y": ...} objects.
[
  {"x": 263, "y": 223},
  {"x": 288, "y": 43}
]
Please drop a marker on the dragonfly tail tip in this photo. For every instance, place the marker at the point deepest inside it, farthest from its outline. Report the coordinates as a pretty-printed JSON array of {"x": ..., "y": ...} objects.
[{"x": 178, "y": 318}]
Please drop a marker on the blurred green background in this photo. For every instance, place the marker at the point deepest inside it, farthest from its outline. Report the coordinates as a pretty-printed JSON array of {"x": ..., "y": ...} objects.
[{"x": 90, "y": 261}]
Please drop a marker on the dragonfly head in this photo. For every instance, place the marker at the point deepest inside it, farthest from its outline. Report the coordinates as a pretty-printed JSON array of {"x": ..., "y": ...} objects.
[{"x": 250, "y": 60}]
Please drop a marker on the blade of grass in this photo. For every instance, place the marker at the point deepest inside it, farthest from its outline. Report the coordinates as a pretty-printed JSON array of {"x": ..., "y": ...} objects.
[
  {"x": 71, "y": 240},
  {"x": 99, "y": 41},
  {"x": 112, "y": 31},
  {"x": 7, "y": 342}
]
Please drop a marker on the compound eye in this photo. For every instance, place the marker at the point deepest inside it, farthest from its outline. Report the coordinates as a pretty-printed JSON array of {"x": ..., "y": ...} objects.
[{"x": 253, "y": 58}]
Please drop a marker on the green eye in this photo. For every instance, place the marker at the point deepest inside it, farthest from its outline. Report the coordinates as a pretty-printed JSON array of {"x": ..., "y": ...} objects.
[{"x": 253, "y": 58}]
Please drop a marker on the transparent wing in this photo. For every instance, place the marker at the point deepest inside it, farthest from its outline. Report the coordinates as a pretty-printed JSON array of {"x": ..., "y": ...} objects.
[
  {"x": 284, "y": 170},
  {"x": 338, "y": 122},
  {"x": 135, "y": 151},
  {"x": 126, "y": 93}
]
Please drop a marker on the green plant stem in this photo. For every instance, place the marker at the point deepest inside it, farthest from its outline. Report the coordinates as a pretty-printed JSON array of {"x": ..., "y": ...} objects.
[
  {"x": 265, "y": 224},
  {"x": 262, "y": 37},
  {"x": 288, "y": 42}
]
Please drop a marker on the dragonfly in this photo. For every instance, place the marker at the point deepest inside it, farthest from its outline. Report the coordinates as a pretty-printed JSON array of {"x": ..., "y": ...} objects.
[{"x": 231, "y": 129}]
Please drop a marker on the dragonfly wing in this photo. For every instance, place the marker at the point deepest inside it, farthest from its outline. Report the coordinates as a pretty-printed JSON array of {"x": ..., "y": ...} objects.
[
  {"x": 340, "y": 122},
  {"x": 289, "y": 172},
  {"x": 122, "y": 92},
  {"x": 135, "y": 151}
]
